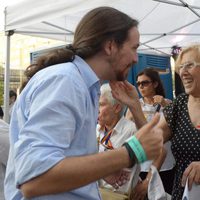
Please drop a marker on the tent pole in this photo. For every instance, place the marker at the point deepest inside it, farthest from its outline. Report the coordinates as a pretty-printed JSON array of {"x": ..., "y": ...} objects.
[
  {"x": 7, "y": 77},
  {"x": 189, "y": 7},
  {"x": 185, "y": 34},
  {"x": 60, "y": 28},
  {"x": 176, "y": 4},
  {"x": 165, "y": 34},
  {"x": 47, "y": 33}
]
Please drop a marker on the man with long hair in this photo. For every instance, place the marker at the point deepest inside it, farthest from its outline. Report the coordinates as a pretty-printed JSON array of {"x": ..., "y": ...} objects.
[{"x": 53, "y": 153}]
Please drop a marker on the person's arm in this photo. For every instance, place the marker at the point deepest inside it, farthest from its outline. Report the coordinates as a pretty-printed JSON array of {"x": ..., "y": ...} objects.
[
  {"x": 141, "y": 189},
  {"x": 136, "y": 114},
  {"x": 129, "y": 115},
  {"x": 72, "y": 173},
  {"x": 127, "y": 94},
  {"x": 167, "y": 134},
  {"x": 75, "y": 172}
]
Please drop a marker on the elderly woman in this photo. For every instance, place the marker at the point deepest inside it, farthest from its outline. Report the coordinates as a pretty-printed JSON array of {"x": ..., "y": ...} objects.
[
  {"x": 181, "y": 120},
  {"x": 113, "y": 129}
]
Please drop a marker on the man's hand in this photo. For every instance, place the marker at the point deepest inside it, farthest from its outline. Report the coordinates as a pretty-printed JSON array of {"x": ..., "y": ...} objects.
[{"x": 118, "y": 179}]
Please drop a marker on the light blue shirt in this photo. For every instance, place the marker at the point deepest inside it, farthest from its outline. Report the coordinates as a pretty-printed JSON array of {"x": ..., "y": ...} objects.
[{"x": 54, "y": 117}]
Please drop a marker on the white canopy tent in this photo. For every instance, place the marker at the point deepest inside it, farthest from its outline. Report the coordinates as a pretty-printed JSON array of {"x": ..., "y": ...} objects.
[{"x": 163, "y": 23}]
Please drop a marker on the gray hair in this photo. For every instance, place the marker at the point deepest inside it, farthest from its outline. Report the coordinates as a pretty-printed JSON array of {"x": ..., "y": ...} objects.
[{"x": 106, "y": 92}]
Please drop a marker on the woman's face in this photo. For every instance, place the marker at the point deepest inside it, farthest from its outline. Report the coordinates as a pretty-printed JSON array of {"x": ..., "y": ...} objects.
[
  {"x": 190, "y": 73},
  {"x": 106, "y": 111},
  {"x": 146, "y": 86}
]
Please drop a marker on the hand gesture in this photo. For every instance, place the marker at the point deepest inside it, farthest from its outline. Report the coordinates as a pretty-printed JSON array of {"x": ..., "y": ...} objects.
[{"x": 124, "y": 92}]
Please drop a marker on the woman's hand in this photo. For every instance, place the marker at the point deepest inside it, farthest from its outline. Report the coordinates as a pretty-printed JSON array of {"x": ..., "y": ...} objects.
[
  {"x": 158, "y": 99},
  {"x": 127, "y": 94},
  {"x": 124, "y": 92},
  {"x": 192, "y": 173}
]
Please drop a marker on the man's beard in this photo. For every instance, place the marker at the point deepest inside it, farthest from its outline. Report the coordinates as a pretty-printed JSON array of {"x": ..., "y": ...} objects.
[{"x": 120, "y": 76}]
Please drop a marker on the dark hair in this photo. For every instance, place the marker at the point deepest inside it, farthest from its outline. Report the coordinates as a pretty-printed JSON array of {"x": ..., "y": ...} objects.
[
  {"x": 154, "y": 76},
  {"x": 96, "y": 27},
  {"x": 12, "y": 93}
]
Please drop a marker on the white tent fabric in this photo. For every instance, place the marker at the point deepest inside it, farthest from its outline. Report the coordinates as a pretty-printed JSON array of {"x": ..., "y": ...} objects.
[{"x": 163, "y": 23}]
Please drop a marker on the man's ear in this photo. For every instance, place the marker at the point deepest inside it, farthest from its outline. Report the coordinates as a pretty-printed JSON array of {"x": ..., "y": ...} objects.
[{"x": 109, "y": 47}]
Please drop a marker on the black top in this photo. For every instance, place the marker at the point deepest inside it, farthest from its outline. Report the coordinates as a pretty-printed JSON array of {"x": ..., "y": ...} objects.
[
  {"x": 1, "y": 112},
  {"x": 185, "y": 140}
]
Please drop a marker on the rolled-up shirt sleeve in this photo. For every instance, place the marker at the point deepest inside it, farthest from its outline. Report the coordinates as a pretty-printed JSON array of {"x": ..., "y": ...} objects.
[{"x": 49, "y": 127}]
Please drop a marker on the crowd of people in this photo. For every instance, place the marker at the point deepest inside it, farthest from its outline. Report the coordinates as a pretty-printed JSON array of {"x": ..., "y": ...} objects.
[
  {"x": 180, "y": 121},
  {"x": 71, "y": 134}
]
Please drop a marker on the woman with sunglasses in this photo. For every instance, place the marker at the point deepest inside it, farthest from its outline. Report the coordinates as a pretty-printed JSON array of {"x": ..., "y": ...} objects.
[
  {"x": 181, "y": 121},
  {"x": 153, "y": 99},
  {"x": 151, "y": 89}
]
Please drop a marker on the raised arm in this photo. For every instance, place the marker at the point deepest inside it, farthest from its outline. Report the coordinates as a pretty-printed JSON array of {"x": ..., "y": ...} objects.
[{"x": 127, "y": 94}]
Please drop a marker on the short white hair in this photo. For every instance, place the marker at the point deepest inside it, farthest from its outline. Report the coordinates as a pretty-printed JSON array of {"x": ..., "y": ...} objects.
[{"x": 106, "y": 92}]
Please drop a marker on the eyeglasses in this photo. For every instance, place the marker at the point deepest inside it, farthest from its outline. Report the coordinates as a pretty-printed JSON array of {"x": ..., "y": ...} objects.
[
  {"x": 188, "y": 65},
  {"x": 143, "y": 83}
]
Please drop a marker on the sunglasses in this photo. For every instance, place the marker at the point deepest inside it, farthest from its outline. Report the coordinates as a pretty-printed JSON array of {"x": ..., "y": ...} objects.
[
  {"x": 189, "y": 65},
  {"x": 143, "y": 83}
]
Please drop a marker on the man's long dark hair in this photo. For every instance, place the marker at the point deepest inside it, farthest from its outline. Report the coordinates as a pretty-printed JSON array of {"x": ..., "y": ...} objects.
[{"x": 96, "y": 27}]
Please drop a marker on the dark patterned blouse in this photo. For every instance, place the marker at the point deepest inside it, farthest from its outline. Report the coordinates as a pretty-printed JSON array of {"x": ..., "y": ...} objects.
[{"x": 185, "y": 140}]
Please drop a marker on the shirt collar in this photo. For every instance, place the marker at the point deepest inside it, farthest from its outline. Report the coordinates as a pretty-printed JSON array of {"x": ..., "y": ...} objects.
[
  {"x": 88, "y": 75},
  {"x": 119, "y": 126}
]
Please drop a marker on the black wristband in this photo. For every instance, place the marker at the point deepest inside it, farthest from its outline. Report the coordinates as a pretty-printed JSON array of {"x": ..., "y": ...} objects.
[{"x": 131, "y": 154}]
